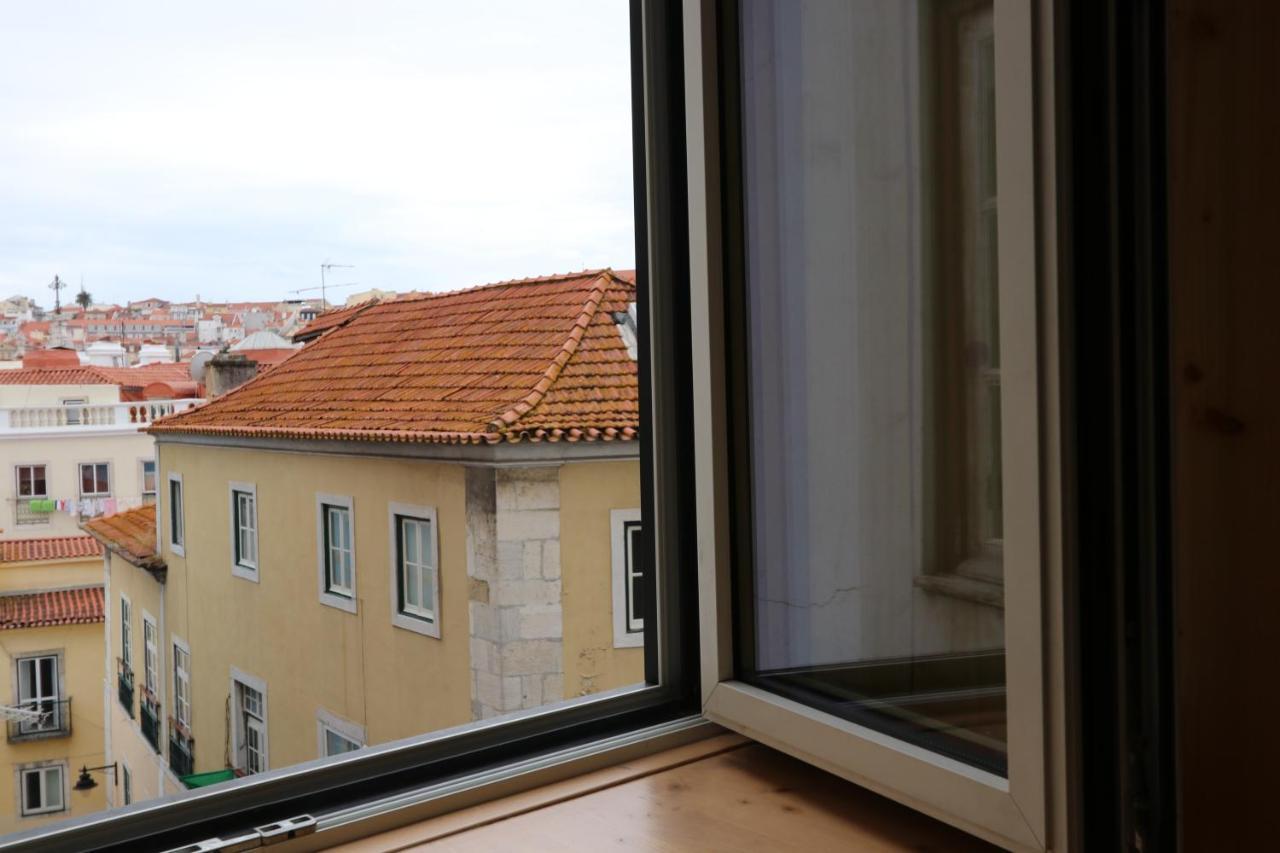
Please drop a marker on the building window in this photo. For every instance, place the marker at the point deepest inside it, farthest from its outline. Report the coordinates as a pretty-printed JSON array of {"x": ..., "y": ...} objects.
[
  {"x": 250, "y": 698},
  {"x": 338, "y": 735},
  {"x": 244, "y": 530},
  {"x": 32, "y": 486},
  {"x": 38, "y": 691},
  {"x": 337, "y": 560},
  {"x": 95, "y": 480},
  {"x": 150, "y": 649},
  {"x": 177, "y": 527},
  {"x": 415, "y": 576},
  {"x": 126, "y": 633},
  {"x": 628, "y": 579},
  {"x": 128, "y": 784},
  {"x": 148, "y": 477},
  {"x": 42, "y": 790},
  {"x": 182, "y": 685}
]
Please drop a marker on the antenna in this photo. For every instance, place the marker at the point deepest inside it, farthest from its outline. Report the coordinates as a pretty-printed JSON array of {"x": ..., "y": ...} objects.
[
  {"x": 57, "y": 286},
  {"x": 324, "y": 268}
]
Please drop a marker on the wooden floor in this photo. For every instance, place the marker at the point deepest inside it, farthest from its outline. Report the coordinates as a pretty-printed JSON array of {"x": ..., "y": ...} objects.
[{"x": 728, "y": 795}]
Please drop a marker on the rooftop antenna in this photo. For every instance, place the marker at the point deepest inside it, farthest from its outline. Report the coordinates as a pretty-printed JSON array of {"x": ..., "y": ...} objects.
[
  {"x": 324, "y": 268},
  {"x": 57, "y": 286}
]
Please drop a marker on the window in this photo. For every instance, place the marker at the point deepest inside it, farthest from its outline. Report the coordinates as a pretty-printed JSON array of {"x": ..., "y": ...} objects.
[
  {"x": 244, "y": 530},
  {"x": 42, "y": 790},
  {"x": 38, "y": 691},
  {"x": 415, "y": 579},
  {"x": 147, "y": 477},
  {"x": 95, "y": 480},
  {"x": 182, "y": 684},
  {"x": 32, "y": 485},
  {"x": 126, "y": 633},
  {"x": 337, "y": 735},
  {"x": 336, "y": 558},
  {"x": 628, "y": 578},
  {"x": 150, "y": 651},
  {"x": 127, "y": 783},
  {"x": 177, "y": 530},
  {"x": 249, "y": 695}
]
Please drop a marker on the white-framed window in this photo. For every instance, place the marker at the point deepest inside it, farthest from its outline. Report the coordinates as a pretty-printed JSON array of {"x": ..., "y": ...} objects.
[
  {"x": 336, "y": 551},
  {"x": 182, "y": 683},
  {"x": 127, "y": 781},
  {"x": 336, "y": 735},
  {"x": 249, "y": 698},
  {"x": 43, "y": 789},
  {"x": 628, "y": 578},
  {"x": 150, "y": 653},
  {"x": 32, "y": 484},
  {"x": 147, "y": 480},
  {"x": 95, "y": 479},
  {"x": 244, "y": 530},
  {"x": 415, "y": 575},
  {"x": 177, "y": 523},
  {"x": 39, "y": 689},
  {"x": 126, "y": 632}
]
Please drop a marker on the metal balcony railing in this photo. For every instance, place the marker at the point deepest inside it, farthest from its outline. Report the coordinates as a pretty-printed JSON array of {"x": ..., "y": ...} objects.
[
  {"x": 149, "y": 720},
  {"x": 182, "y": 750},
  {"x": 44, "y": 718},
  {"x": 124, "y": 685}
]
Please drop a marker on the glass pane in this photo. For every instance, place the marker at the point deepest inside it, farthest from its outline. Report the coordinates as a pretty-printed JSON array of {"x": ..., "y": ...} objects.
[
  {"x": 31, "y": 784},
  {"x": 870, "y": 210},
  {"x": 53, "y": 789}
]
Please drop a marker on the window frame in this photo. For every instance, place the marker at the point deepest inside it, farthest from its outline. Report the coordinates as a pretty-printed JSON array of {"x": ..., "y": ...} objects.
[
  {"x": 151, "y": 654},
  {"x": 326, "y": 722},
  {"x": 578, "y": 735},
  {"x": 620, "y": 523},
  {"x": 18, "y": 497},
  {"x": 126, "y": 632},
  {"x": 43, "y": 768},
  {"x": 80, "y": 466},
  {"x": 240, "y": 726},
  {"x": 1012, "y": 810},
  {"x": 339, "y": 600},
  {"x": 241, "y": 568},
  {"x": 175, "y": 523},
  {"x": 400, "y": 617},
  {"x": 154, "y": 494},
  {"x": 182, "y": 679}
]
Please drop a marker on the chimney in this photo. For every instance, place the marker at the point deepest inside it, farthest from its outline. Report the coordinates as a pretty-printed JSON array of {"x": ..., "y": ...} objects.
[{"x": 227, "y": 371}]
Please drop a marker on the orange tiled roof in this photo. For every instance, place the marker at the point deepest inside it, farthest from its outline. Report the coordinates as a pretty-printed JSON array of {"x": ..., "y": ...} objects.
[
  {"x": 131, "y": 534},
  {"x": 533, "y": 359},
  {"x": 78, "y": 606},
  {"x": 330, "y": 319},
  {"x": 68, "y": 376},
  {"x": 49, "y": 548}
]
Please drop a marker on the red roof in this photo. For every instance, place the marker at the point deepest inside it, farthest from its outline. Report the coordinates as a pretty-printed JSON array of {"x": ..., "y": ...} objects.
[
  {"x": 78, "y": 606},
  {"x": 329, "y": 320},
  {"x": 49, "y": 548},
  {"x": 48, "y": 359},
  {"x": 131, "y": 534},
  {"x": 265, "y": 357},
  {"x": 536, "y": 359},
  {"x": 70, "y": 376}
]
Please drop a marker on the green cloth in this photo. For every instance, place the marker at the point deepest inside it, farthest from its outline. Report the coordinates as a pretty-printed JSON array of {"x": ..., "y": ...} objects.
[
  {"x": 212, "y": 777},
  {"x": 43, "y": 506}
]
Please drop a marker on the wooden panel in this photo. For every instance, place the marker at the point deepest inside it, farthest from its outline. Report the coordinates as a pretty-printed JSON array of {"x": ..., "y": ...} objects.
[
  {"x": 1224, "y": 257},
  {"x": 747, "y": 799}
]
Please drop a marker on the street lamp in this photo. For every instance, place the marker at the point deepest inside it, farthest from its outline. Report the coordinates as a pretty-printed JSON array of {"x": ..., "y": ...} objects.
[{"x": 86, "y": 782}]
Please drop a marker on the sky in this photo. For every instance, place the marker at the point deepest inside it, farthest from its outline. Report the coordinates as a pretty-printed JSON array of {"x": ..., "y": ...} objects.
[{"x": 227, "y": 149}]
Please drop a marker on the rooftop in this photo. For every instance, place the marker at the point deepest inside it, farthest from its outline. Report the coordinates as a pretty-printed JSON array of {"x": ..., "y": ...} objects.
[
  {"x": 49, "y": 548},
  {"x": 76, "y": 606},
  {"x": 130, "y": 534},
  {"x": 533, "y": 359}
]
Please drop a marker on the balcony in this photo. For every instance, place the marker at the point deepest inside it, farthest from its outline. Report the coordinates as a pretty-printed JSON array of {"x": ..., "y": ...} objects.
[
  {"x": 40, "y": 719},
  {"x": 149, "y": 720},
  {"x": 88, "y": 418},
  {"x": 182, "y": 751},
  {"x": 124, "y": 685}
]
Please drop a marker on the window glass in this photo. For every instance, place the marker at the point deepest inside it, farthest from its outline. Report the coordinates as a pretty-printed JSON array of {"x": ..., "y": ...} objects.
[
  {"x": 176, "y": 532},
  {"x": 416, "y": 576},
  {"x": 246, "y": 528},
  {"x": 338, "y": 554},
  {"x": 148, "y": 481},
  {"x": 336, "y": 744},
  {"x": 42, "y": 790},
  {"x": 94, "y": 480},
  {"x": 874, "y": 375}
]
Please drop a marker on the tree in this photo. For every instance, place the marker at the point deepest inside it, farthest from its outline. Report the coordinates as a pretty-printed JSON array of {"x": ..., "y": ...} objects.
[{"x": 83, "y": 298}]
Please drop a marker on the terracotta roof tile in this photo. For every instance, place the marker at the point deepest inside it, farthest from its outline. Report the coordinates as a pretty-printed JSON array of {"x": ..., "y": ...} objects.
[
  {"x": 534, "y": 359},
  {"x": 68, "y": 376},
  {"x": 330, "y": 319},
  {"x": 131, "y": 534},
  {"x": 49, "y": 548},
  {"x": 78, "y": 606}
]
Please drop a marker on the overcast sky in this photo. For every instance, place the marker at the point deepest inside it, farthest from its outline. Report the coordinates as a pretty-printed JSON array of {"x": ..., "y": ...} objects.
[{"x": 228, "y": 148}]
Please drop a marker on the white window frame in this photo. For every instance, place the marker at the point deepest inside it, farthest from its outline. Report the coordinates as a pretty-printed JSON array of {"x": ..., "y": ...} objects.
[
  {"x": 151, "y": 654},
  {"x": 343, "y": 728},
  {"x": 177, "y": 537},
  {"x": 241, "y": 568},
  {"x": 44, "y": 768},
  {"x": 182, "y": 681},
  {"x": 625, "y": 635},
  {"x": 333, "y": 599},
  {"x": 1012, "y": 810},
  {"x": 18, "y": 497},
  {"x": 240, "y": 725},
  {"x": 142, "y": 479},
  {"x": 421, "y": 622},
  {"x": 80, "y": 479},
  {"x": 126, "y": 631}
]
